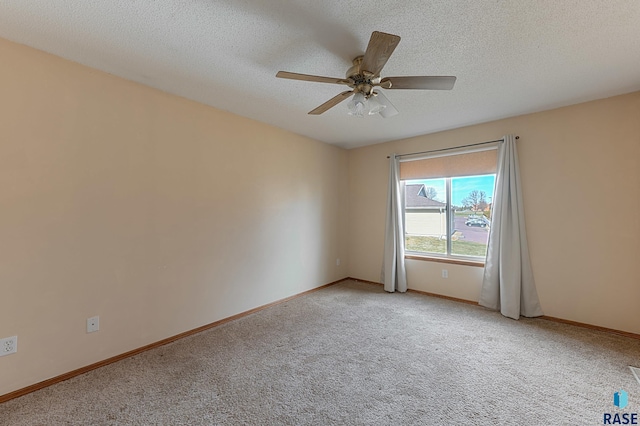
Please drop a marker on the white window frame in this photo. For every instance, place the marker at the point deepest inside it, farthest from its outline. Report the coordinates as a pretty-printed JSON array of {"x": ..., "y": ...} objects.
[{"x": 449, "y": 210}]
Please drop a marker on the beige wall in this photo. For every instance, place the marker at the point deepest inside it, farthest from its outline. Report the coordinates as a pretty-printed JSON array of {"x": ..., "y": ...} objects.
[
  {"x": 580, "y": 168},
  {"x": 156, "y": 213}
]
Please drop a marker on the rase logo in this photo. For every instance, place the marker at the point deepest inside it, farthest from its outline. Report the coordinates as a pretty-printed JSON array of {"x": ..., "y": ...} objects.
[{"x": 620, "y": 400}]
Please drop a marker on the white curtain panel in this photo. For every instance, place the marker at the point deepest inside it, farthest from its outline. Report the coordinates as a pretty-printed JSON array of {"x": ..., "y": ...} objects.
[
  {"x": 394, "y": 275},
  {"x": 508, "y": 283}
]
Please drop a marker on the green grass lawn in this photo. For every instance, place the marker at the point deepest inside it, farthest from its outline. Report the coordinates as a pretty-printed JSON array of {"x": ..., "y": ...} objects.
[{"x": 436, "y": 245}]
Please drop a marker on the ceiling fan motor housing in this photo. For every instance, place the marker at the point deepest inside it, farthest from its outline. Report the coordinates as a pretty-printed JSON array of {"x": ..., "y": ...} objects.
[{"x": 363, "y": 81}]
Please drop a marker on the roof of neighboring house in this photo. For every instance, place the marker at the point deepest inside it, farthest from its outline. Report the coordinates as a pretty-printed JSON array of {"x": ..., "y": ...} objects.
[{"x": 416, "y": 198}]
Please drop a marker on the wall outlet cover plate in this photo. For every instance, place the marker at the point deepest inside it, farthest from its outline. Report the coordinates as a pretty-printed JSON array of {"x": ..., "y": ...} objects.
[
  {"x": 93, "y": 324},
  {"x": 8, "y": 345}
]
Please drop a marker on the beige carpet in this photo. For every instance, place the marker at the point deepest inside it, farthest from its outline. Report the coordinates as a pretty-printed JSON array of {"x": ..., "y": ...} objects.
[{"x": 353, "y": 354}]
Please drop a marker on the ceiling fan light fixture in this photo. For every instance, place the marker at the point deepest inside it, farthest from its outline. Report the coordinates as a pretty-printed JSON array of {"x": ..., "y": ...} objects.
[
  {"x": 358, "y": 105},
  {"x": 375, "y": 106}
]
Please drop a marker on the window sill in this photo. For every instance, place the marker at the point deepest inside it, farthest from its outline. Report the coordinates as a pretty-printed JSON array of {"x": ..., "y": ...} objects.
[{"x": 464, "y": 262}]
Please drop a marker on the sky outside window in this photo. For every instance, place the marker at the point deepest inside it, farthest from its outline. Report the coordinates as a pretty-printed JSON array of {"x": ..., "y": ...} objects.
[{"x": 460, "y": 187}]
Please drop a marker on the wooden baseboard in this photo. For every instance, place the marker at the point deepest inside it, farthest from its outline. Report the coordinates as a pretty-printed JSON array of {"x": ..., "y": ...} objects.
[
  {"x": 82, "y": 370},
  {"x": 592, "y": 327},
  {"x": 440, "y": 296},
  {"x": 364, "y": 281},
  {"x": 426, "y": 293},
  {"x": 544, "y": 317}
]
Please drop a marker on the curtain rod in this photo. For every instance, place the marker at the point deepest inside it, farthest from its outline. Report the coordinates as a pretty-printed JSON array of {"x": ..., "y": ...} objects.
[{"x": 448, "y": 149}]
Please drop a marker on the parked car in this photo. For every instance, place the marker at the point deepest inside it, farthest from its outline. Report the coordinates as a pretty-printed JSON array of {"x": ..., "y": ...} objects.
[{"x": 476, "y": 222}]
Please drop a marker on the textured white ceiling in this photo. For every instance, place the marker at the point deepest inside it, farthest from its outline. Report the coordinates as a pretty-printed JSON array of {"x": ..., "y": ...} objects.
[{"x": 510, "y": 57}]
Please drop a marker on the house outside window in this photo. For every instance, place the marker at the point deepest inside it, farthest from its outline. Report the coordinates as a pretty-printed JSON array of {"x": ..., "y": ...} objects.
[{"x": 425, "y": 219}]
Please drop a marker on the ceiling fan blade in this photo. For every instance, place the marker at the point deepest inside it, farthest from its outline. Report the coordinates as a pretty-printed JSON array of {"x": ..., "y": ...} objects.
[
  {"x": 380, "y": 48},
  {"x": 389, "y": 110},
  {"x": 421, "y": 82},
  {"x": 307, "y": 77},
  {"x": 332, "y": 102}
]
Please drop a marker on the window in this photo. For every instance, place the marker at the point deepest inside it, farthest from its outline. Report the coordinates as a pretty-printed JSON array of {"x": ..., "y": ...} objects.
[{"x": 449, "y": 216}]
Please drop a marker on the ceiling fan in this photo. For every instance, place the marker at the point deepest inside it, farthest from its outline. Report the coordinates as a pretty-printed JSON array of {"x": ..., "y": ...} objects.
[{"x": 364, "y": 76}]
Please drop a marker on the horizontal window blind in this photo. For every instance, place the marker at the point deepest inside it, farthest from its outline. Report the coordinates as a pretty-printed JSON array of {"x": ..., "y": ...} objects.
[{"x": 464, "y": 164}]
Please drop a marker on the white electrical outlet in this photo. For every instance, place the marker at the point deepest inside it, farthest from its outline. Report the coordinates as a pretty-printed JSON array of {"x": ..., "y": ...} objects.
[
  {"x": 93, "y": 324},
  {"x": 8, "y": 345},
  {"x": 338, "y": 262},
  {"x": 445, "y": 273}
]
